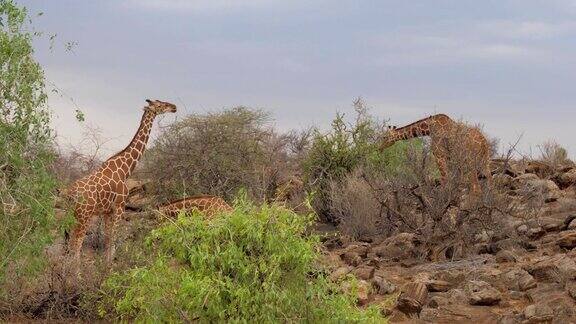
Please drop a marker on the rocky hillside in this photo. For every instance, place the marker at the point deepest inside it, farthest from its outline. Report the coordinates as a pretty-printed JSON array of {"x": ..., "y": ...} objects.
[{"x": 529, "y": 278}]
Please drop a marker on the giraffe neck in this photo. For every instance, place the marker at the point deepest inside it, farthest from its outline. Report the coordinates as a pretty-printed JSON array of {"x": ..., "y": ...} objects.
[
  {"x": 423, "y": 127},
  {"x": 128, "y": 158},
  {"x": 418, "y": 129}
]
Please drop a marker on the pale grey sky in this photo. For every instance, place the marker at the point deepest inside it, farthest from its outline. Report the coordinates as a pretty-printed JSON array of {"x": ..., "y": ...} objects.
[{"x": 507, "y": 64}]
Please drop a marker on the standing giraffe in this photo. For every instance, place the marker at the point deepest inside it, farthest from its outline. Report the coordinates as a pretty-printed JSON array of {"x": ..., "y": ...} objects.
[
  {"x": 104, "y": 191},
  {"x": 442, "y": 130},
  {"x": 208, "y": 205}
]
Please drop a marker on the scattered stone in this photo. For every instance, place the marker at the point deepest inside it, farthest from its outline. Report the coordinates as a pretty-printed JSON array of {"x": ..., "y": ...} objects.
[
  {"x": 522, "y": 229},
  {"x": 521, "y": 180},
  {"x": 518, "y": 280},
  {"x": 572, "y": 225},
  {"x": 364, "y": 272},
  {"x": 383, "y": 286},
  {"x": 566, "y": 179},
  {"x": 438, "y": 286},
  {"x": 551, "y": 224},
  {"x": 571, "y": 289},
  {"x": 340, "y": 273},
  {"x": 412, "y": 298},
  {"x": 567, "y": 240},
  {"x": 538, "y": 313},
  {"x": 351, "y": 258},
  {"x": 506, "y": 256},
  {"x": 397, "y": 247},
  {"x": 558, "y": 268},
  {"x": 481, "y": 293},
  {"x": 429, "y": 315}
]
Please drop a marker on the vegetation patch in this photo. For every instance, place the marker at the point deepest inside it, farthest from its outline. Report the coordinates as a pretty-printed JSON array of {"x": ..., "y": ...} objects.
[{"x": 255, "y": 263}]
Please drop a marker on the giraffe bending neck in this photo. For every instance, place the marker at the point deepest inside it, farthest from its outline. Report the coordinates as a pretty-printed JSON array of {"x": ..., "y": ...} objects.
[
  {"x": 128, "y": 158},
  {"x": 419, "y": 128}
]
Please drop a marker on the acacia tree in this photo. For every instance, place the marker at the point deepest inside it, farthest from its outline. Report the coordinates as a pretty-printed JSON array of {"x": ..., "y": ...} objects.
[{"x": 26, "y": 185}]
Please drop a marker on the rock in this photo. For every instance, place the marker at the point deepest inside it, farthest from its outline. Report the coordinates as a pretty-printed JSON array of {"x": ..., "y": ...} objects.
[
  {"x": 397, "y": 247},
  {"x": 520, "y": 181},
  {"x": 551, "y": 224},
  {"x": 364, "y": 272},
  {"x": 438, "y": 286},
  {"x": 538, "y": 313},
  {"x": 351, "y": 258},
  {"x": 429, "y": 315},
  {"x": 522, "y": 229},
  {"x": 536, "y": 232},
  {"x": 567, "y": 240},
  {"x": 535, "y": 186},
  {"x": 558, "y": 268},
  {"x": 383, "y": 286},
  {"x": 481, "y": 293},
  {"x": 542, "y": 170},
  {"x": 438, "y": 301},
  {"x": 412, "y": 298},
  {"x": 572, "y": 224},
  {"x": 571, "y": 289},
  {"x": 518, "y": 280},
  {"x": 340, "y": 273},
  {"x": 566, "y": 179},
  {"x": 506, "y": 256},
  {"x": 359, "y": 248}
]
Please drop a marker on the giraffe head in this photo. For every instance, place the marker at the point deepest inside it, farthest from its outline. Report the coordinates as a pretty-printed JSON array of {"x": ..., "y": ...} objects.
[
  {"x": 159, "y": 107},
  {"x": 390, "y": 137}
]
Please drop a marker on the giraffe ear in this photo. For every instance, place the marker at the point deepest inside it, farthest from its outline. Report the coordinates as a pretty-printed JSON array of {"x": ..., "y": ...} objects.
[{"x": 149, "y": 101}]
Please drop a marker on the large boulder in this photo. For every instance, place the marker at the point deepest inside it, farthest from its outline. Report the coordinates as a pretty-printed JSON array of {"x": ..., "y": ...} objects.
[
  {"x": 558, "y": 268},
  {"x": 481, "y": 293},
  {"x": 413, "y": 297},
  {"x": 538, "y": 313},
  {"x": 518, "y": 280},
  {"x": 566, "y": 179},
  {"x": 397, "y": 247},
  {"x": 567, "y": 240}
]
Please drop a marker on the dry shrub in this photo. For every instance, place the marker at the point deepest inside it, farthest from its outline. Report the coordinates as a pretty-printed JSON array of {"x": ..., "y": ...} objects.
[
  {"x": 74, "y": 161},
  {"x": 57, "y": 294},
  {"x": 447, "y": 218},
  {"x": 354, "y": 205},
  {"x": 554, "y": 155},
  {"x": 221, "y": 153}
]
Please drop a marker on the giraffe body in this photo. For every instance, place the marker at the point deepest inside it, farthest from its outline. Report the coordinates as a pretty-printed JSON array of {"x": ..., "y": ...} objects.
[
  {"x": 207, "y": 205},
  {"x": 104, "y": 191},
  {"x": 442, "y": 129}
]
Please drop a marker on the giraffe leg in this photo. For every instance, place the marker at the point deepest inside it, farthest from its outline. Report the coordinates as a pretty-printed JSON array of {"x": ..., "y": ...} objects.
[
  {"x": 443, "y": 170},
  {"x": 110, "y": 222},
  {"x": 78, "y": 234}
]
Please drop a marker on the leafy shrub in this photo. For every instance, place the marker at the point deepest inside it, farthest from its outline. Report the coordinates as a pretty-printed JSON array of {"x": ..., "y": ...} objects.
[
  {"x": 219, "y": 153},
  {"x": 26, "y": 185},
  {"x": 254, "y": 264},
  {"x": 335, "y": 154}
]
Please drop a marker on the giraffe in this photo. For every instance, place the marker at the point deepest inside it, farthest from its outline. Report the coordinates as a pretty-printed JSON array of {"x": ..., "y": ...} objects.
[
  {"x": 441, "y": 128},
  {"x": 104, "y": 191},
  {"x": 208, "y": 205}
]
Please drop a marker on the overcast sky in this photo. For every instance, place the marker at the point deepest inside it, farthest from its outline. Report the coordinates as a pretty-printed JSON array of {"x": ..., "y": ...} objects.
[{"x": 507, "y": 64}]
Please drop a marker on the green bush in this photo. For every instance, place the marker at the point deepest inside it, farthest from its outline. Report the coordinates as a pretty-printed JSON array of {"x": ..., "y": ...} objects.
[
  {"x": 337, "y": 153},
  {"x": 26, "y": 185},
  {"x": 217, "y": 153},
  {"x": 255, "y": 264}
]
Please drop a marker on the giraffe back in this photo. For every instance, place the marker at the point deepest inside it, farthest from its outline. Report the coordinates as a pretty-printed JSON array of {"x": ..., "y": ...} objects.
[{"x": 207, "y": 205}]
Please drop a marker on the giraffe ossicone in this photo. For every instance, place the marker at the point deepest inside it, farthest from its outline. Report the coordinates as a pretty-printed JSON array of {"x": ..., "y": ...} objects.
[{"x": 104, "y": 191}]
